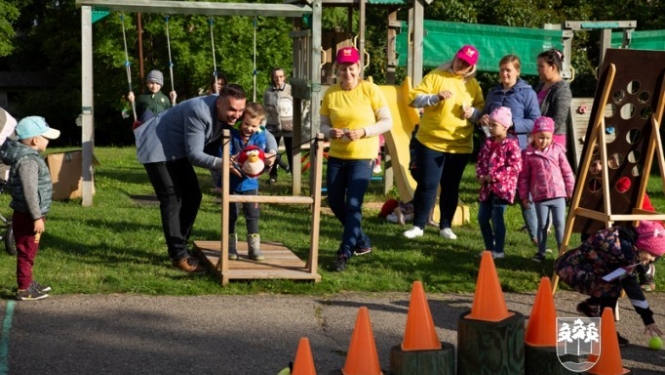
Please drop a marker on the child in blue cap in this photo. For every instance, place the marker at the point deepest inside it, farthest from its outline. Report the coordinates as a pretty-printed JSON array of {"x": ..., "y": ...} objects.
[{"x": 31, "y": 189}]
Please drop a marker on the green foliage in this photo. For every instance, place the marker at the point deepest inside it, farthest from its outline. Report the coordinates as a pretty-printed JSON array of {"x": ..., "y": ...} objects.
[
  {"x": 45, "y": 36},
  {"x": 8, "y": 14}
]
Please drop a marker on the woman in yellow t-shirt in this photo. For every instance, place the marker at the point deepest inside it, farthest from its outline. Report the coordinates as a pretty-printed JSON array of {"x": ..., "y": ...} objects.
[
  {"x": 451, "y": 99},
  {"x": 353, "y": 114}
]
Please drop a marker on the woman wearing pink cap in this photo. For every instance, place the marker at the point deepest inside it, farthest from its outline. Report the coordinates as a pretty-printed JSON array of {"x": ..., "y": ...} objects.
[
  {"x": 451, "y": 99},
  {"x": 547, "y": 179},
  {"x": 587, "y": 269},
  {"x": 499, "y": 165},
  {"x": 354, "y": 113}
]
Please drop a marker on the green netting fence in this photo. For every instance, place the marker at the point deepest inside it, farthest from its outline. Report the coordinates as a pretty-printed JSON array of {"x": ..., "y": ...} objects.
[
  {"x": 653, "y": 40},
  {"x": 443, "y": 39}
]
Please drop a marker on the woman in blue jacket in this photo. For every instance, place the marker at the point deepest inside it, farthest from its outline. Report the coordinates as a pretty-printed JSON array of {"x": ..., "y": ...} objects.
[{"x": 514, "y": 93}]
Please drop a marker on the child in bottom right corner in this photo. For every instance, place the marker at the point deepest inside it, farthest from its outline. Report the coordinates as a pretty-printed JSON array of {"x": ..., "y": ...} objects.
[{"x": 547, "y": 175}]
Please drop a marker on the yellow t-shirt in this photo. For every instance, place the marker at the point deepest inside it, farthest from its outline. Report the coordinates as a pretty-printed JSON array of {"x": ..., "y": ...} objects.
[
  {"x": 443, "y": 126},
  {"x": 353, "y": 109}
]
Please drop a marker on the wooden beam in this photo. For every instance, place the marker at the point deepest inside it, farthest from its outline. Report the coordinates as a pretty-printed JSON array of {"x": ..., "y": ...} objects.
[{"x": 201, "y": 8}]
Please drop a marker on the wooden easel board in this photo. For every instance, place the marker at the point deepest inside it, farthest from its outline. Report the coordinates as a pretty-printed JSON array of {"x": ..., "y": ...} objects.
[
  {"x": 634, "y": 96},
  {"x": 580, "y": 113}
]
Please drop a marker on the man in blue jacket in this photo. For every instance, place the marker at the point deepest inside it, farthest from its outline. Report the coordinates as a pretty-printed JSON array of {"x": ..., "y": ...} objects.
[{"x": 170, "y": 145}]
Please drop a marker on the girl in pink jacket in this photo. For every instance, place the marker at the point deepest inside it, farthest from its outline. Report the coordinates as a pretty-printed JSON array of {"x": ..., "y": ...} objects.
[
  {"x": 499, "y": 165},
  {"x": 547, "y": 175}
]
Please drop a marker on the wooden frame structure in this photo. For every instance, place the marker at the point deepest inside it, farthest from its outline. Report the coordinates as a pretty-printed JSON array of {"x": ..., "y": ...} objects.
[
  {"x": 280, "y": 262},
  {"x": 641, "y": 114}
]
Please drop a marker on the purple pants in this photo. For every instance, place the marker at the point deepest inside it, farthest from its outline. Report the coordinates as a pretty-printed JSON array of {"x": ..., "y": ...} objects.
[{"x": 26, "y": 247}]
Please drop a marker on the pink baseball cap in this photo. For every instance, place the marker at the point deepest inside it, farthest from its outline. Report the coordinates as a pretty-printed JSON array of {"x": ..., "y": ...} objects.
[
  {"x": 651, "y": 237},
  {"x": 468, "y": 53},
  {"x": 348, "y": 55},
  {"x": 503, "y": 115},
  {"x": 543, "y": 124}
]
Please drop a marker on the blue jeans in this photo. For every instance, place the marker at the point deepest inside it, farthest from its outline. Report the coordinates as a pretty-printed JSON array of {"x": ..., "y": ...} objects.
[
  {"x": 347, "y": 182},
  {"x": 493, "y": 209},
  {"x": 249, "y": 209},
  {"x": 530, "y": 219},
  {"x": 556, "y": 206},
  {"x": 434, "y": 169}
]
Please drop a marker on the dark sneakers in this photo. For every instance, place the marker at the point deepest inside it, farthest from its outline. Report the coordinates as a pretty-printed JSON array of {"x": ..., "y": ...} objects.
[
  {"x": 362, "y": 250},
  {"x": 588, "y": 309},
  {"x": 30, "y": 294},
  {"x": 340, "y": 263},
  {"x": 539, "y": 257},
  {"x": 189, "y": 264},
  {"x": 40, "y": 288}
]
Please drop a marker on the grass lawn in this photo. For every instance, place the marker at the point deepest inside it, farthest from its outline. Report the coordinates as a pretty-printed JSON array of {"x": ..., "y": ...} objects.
[{"x": 117, "y": 246}]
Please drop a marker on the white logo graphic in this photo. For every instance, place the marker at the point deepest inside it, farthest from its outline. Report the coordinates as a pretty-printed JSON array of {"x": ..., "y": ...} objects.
[{"x": 578, "y": 342}]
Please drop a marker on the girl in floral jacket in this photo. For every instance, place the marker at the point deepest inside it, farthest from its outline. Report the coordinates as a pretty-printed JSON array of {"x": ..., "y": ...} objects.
[
  {"x": 586, "y": 269},
  {"x": 548, "y": 177},
  {"x": 499, "y": 165}
]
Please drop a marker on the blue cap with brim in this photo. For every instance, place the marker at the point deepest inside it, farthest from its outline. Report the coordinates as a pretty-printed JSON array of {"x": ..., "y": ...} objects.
[{"x": 34, "y": 126}]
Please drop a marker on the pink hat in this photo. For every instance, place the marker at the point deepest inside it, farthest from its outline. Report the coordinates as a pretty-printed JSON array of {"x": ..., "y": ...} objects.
[
  {"x": 468, "y": 53},
  {"x": 348, "y": 55},
  {"x": 503, "y": 116},
  {"x": 651, "y": 237},
  {"x": 543, "y": 124}
]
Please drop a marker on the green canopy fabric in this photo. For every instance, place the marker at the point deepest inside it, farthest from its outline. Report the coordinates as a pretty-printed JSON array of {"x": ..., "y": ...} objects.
[
  {"x": 653, "y": 40},
  {"x": 443, "y": 39}
]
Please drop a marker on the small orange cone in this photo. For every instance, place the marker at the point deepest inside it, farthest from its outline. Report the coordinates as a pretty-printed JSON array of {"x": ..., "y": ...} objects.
[
  {"x": 420, "y": 333},
  {"x": 362, "y": 358},
  {"x": 304, "y": 362},
  {"x": 541, "y": 330},
  {"x": 609, "y": 362},
  {"x": 488, "y": 301}
]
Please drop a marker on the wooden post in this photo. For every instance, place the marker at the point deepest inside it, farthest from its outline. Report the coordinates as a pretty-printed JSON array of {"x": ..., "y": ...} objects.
[
  {"x": 423, "y": 362},
  {"x": 489, "y": 348}
]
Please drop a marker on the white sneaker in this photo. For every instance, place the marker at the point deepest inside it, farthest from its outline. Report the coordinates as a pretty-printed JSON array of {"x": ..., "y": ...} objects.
[
  {"x": 496, "y": 255},
  {"x": 448, "y": 234},
  {"x": 377, "y": 169},
  {"x": 413, "y": 232}
]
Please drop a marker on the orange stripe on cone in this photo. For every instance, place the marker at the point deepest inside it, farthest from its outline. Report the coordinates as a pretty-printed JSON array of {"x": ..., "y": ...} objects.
[
  {"x": 304, "y": 362},
  {"x": 609, "y": 362},
  {"x": 541, "y": 330},
  {"x": 488, "y": 301},
  {"x": 420, "y": 333},
  {"x": 362, "y": 358}
]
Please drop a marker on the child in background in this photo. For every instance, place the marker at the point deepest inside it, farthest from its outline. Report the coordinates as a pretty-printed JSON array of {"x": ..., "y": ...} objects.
[
  {"x": 547, "y": 175},
  {"x": 152, "y": 104},
  {"x": 31, "y": 189},
  {"x": 497, "y": 170},
  {"x": 250, "y": 134}
]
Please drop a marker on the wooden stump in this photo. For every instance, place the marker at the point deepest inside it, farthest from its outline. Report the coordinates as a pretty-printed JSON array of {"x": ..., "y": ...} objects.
[
  {"x": 423, "y": 362},
  {"x": 544, "y": 360},
  {"x": 491, "y": 348}
]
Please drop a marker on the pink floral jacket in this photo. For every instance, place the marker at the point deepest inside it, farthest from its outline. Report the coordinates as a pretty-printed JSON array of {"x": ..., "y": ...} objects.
[
  {"x": 546, "y": 174},
  {"x": 503, "y": 163}
]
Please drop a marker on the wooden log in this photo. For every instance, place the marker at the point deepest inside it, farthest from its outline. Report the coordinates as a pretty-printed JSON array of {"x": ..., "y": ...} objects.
[
  {"x": 490, "y": 348},
  {"x": 423, "y": 362},
  {"x": 544, "y": 360}
]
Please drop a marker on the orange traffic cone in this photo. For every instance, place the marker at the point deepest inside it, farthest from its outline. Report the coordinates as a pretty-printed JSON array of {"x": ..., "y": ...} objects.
[
  {"x": 609, "y": 362},
  {"x": 304, "y": 362},
  {"x": 541, "y": 330},
  {"x": 362, "y": 358},
  {"x": 488, "y": 301},
  {"x": 420, "y": 333}
]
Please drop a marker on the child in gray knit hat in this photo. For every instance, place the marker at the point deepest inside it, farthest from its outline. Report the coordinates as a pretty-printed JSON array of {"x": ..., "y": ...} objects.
[{"x": 151, "y": 104}]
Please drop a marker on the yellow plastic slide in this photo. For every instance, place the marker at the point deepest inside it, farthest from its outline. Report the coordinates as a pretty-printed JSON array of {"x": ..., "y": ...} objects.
[{"x": 405, "y": 118}]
